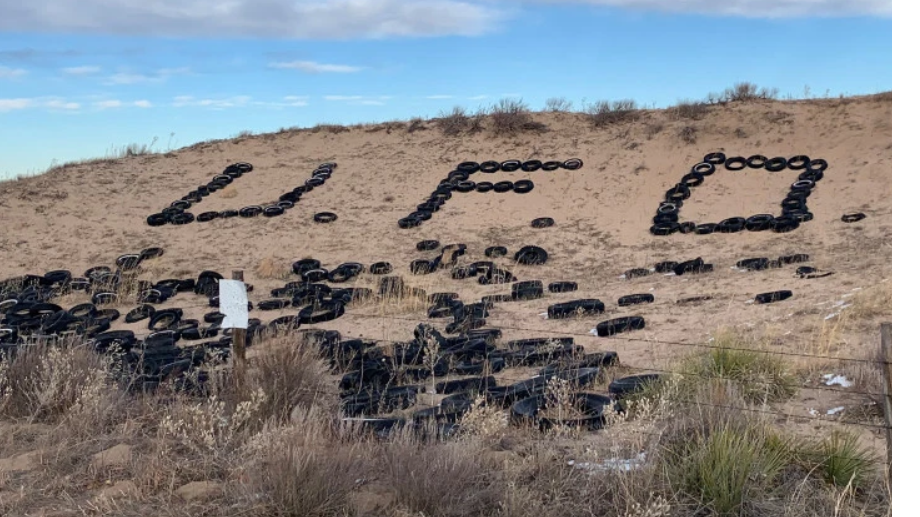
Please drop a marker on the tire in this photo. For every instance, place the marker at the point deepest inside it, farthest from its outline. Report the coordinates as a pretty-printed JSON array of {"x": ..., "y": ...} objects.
[
  {"x": 422, "y": 267},
  {"x": 458, "y": 176},
  {"x": 484, "y": 186},
  {"x": 511, "y": 165},
  {"x": 227, "y": 214},
  {"x": 624, "y": 386},
  {"x": 503, "y": 186},
  {"x": 531, "y": 255},
  {"x": 381, "y": 268},
  {"x": 755, "y": 264},
  {"x": 83, "y": 310},
  {"x": 427, "y": 245},
  {"x": 490, "y": 167},
  {"x": 272, "y": 211},
  {"x": 157, "y": 220},
  {"x": 794, "y": 259},
  {"x": 468, "y": 167},
  {"x": 784, "y": 224},
  {"x": 687, "y": 227},
  {"x": 692, "y": 179},
  {"x": 466, "y": 186},
  {"x": 164, "y": 320},
  {"x": 315, "y": 275},
  {"x": 529, "y": 290},
  {"x": 735, "y": 163},
  {"x": 668, "y": 208},
  {"x": 772, "y": 297},
  {"x": 690, "y": 266},
  {"x": 635, "y": 299},
  {"x": 636, "y": 273},
  {"x": 531, "y": 165},
  {"x": 853, "y": 217},
  {"x": 542, "y": 222},
  {"x": 139, "y": 313},
  {"x": 304, "y": 265},
  {"x": 213, "y": 317},
  {"x": 273, "y": 305},
  {"x": 757, "y": 161},
  {"x": 128, "y": 262},
  {"x": 284, "y": 205},
  {"x": 325, "y": 217},
  {"x": 620, "y": 325},
  {"x": 803, "y": 185},
  {"x": 326, "y": 311},
  {"x": 664, "y": 228},
  {"x": 706, "y": 228},
  {"x": 818, "y": 165},
  {"x": 150, "y": 253},
  {"x": 409, "y": 222},
  {"x": 758, "y": 223},
  {"x": 563, "y": 287},
  {"x": 732, "y": 225},
  {"x": 496, "y": 251},
  {"x": 677, "y": 193},
  {"x": 551, "y": 166},
  {"x": 475, "y": 385},
  {"x": 703, "y": 169},
  {"x": 591, "y": 409},
  {"x": 815, "y": 176},
  {"x": 104, "y": 298},
  {"x": 572, "y": 164},
  {"x": 666, "y": 266},
  {"x": 715, "y": 158},
  {"x": 522, "y": 186},
  {"x": 776, "y": 164},
  {"x": 798, "y": 162}
]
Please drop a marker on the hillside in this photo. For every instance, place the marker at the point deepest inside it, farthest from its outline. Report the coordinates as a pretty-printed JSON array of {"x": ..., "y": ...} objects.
[{"x": 84, "y": 215}]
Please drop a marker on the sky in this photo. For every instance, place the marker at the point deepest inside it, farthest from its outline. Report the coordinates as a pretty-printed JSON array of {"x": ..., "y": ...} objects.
[{"x": 80, "y": 79}]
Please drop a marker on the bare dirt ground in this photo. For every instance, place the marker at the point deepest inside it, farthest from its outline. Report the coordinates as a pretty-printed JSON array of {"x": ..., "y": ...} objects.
[{"x": 85, "y": 215}]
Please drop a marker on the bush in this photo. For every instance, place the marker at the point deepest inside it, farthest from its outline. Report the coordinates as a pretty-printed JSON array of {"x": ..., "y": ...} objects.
[
  {"x": 743, "y": 92},
  {"x": 558, "y": 105},
  {"x": 510, "y": 117},
  {"x": 687, "y": 134},
  {"x": 841, "y": 460},
  {"x": 606, "y": 112},
  {"x": 692, "y": 110},
  {"x": 455, "y": 122}
]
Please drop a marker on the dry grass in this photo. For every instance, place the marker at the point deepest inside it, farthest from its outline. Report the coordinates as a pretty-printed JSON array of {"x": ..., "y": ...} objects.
[
  {"x": 273, "y": 268},
  {"x": 558, "y": 105},
  {"x": 604, "y": 113},
  {"x": 689, "y": 110},
  {"x": 454, "y": 123},
  {"x": 510, "y": 117},
  {"x": 228, "y": 193}
]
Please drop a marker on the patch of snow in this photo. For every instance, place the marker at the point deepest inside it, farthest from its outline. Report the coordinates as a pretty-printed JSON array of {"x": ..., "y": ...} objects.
[
  {"x": 835, "y": 410},
  {"x": 831, "y": 315},
  {"x": 839, "y": 380},
  {"x": 812, "y": 412},
  {"x": 857, "y": 288}
]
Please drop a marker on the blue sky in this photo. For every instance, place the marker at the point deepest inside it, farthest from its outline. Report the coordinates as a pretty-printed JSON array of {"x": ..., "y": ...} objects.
[{"x": 78, "y": 79}]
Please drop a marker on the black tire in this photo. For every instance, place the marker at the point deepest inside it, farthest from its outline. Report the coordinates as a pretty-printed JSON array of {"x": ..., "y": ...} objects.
[
  {"x": 563, "y": 287},
  {"x": 853, "y": 217},
  {"x": 326, "y": 311},
  {"x": 715, "y": 158},
  {"x": 528, "y": 290},
  {"x": 496, "y": 251},
  {"x": 250, "y": 211},
  {"x": 531, "y": 255},
  {"x": 427, "y": 245},
  {"x": 213, "y": 317},
  {"x": 796, "y": 258},
  {"x": 774, "y": 296},
  {"x": 666, "y": 266},
  {"x": 381, "y": 268},
  {"x": 272, "y": 211},
  {"x": 490, "y": 167},
  {"x": 83, "y": 310},
  {"x": 227, "y": 214},
  {"x": 139, "y": 313},
  {"x": 551, "y": 165},
  {"x": 157, "y": 220},
  {"x": 703, "y": 169},
  {"x": 668, "y": 208},
  {"x": 503, "y": 186},
  {"x": 284, "y": 205},
  {"x": 542, "y": 222},
  {"x": 692, "y": 179},
  {"x": 149, "y": 253},
  {"x": 468, "y": 167},
  {"x": 104, "y": 298},
  {"x": 511, "y": 165},
  {"x": 664, "y": 228},
  {"x": 755, "y": 264},
  {"x": 325, "y": 217},
  {"x": 758, "y": 223},
  {"x": 206, "y": 216},
  {"x": 128, "y": 261},
  {"x": 531, "y": 165},
  {"x": 735, "y": 163},
  {"x": 690, "y": 266},
  {"x": 456, "y": 177},
  {"x": 687, "y": 227},
  {"x": 677, "y": 193},
  {"x": 620, "y": 325},
  {"x": 466, "y": 186},
  {"x": 815, "y": 176},
  {"x": 591, "y": 409},
  {"x": 784, "y": 224},
  {"x": 635, "y": 299},
  {"x": 802, "y": 185},
  {"x": 732, "y": 225},
  {"x": 636, "y": 273},
  {"x": 315, "y": 275},
  {"x": 522, "y": 186},
  {"x": 817, "y": 165},
  {"x": 776, "y": 164},
  {"x": 572, "y": 164},
  {"x": 484, "y": 186},
  {"x": 624, "y": 386},
  {"x": 757, "y": 161},
  {"x": 273, "y": 305},
  {"x": 422, "y": 267},
  {"x": 183, "y": 218},
  {"x": 798, "y": 162},
  {"x": 164, "y": 320},
  {"x": 409, "y": 222}
]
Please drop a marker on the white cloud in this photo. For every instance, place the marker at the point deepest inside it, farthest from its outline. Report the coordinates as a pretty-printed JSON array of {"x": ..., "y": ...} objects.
[
  {"x": 359, "y": 100},
  {"x": 438, "y": 97},
  {"x": 747, "y": 8},
  {"x": 343, "y": 97},
  {"x": 9, "y": 73},
  {"x": 288, "y": 19},
  {"x": 142, "y": 104},
  {"x": 312, "y": 67},
  {"x": 108, "y": 104},
  {"x": 228, "y": 102},
  {"x": 81, "y": 70},
  {"x": 15, "y": 104},
  {"x": 371, "y": 103},
  {"x": 159, "y": 76},
  {"x": 58, "y": 104},
  {"x": 296, "y": 97},
  {"x": 479, "y": 97}
]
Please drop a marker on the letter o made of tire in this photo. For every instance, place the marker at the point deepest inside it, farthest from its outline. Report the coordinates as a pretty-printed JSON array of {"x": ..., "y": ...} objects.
[
  {"x": 798, "y": 162},
  {"x": 503, "y": 186},
  {"x": 572, "y": 164},
  {"x": 732, "y": 225},
  {"x": 756, "y": 161},
  {"x": 511, "y": 165},
  {"x": 775, "y": 164},
  {"x": 490, "y": 167}
]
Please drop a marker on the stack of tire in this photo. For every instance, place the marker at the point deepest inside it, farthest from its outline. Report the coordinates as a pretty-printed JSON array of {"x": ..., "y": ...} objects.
[
  {"x": 458, "y": 181},
  {"x": 794, "y": 208}
]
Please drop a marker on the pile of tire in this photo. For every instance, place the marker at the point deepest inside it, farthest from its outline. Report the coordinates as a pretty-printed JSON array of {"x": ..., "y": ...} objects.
[
  {"x": 177, "y": 212},
  {"x": 458, "y": 181},
  {"x": 794, "y": 207}
]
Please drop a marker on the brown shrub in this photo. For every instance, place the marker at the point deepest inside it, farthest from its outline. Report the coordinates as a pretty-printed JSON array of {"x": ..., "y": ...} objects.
[
  {"x": 692, "y": 110},
  {"x": 454, "y": 123},
  {"x": 605, "y": 112},
  {"x": 273, "y": 268},
  {"x": 510, "y": 117}
]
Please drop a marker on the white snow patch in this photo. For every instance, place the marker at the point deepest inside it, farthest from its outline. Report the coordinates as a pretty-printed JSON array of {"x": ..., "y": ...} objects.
[
  {"x": 839, "y": 380},
  {"x": 812, "y": 411},
  {"x": 835, "y": 410}
]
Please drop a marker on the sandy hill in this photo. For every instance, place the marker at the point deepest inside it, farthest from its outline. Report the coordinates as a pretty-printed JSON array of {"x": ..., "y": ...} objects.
[{"x": 83, "y": 215}]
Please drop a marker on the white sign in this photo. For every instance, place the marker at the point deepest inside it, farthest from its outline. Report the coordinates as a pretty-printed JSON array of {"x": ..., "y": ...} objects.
[{"x": 234, "y": 304}]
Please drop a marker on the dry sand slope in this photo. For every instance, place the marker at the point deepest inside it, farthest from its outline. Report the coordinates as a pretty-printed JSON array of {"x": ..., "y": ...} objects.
[{"x": 84, "y": 215}]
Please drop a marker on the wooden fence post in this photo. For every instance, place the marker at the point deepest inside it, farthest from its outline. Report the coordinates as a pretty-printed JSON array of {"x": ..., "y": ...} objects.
[
  {"x": 239, "y": 341},
  {"x": 885, "y": 361}
]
